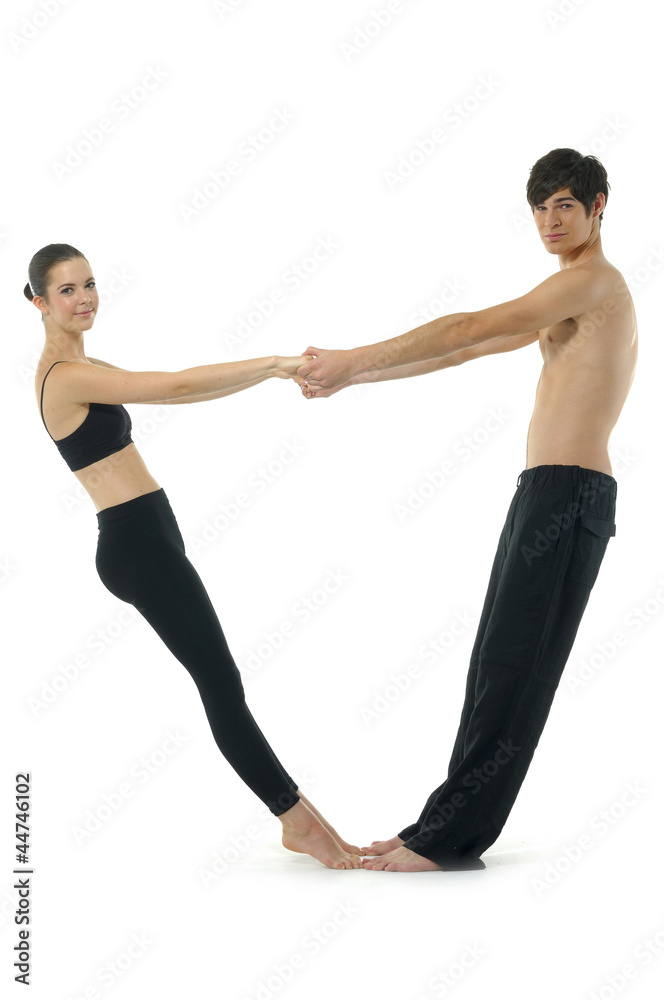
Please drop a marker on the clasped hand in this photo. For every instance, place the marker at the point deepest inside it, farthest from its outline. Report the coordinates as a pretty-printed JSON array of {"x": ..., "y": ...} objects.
[{"x": 323, "y": 372}]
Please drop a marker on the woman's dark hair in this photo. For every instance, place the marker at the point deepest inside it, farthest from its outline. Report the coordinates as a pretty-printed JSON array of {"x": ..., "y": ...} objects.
[
  {"x": 567, "y": 168},
  {"x": 40, "y": 267}
]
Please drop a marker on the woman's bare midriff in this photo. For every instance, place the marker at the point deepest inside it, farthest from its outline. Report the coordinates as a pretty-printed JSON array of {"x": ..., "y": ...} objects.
[{"x": 120, "y": 477}]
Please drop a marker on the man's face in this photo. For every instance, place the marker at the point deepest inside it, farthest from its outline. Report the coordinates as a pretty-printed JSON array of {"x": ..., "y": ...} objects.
[{"x": 562, "y": 222}]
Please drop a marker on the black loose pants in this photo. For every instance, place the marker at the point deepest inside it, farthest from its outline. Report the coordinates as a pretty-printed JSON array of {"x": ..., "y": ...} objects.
[
  {"x": 141, "y": 559},
  {"x": 549, "y": 554}
]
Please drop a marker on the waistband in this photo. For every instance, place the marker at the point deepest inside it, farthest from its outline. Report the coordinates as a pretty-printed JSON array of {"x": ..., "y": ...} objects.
[
  {"x": 153, "y": 499},
  {"x": 571, "y": 474}
]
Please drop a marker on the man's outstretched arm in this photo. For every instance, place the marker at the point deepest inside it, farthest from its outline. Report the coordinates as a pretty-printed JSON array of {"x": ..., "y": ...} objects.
[
  {"x": 498, "y": 345},
  {"x": 565, "y": 294}
]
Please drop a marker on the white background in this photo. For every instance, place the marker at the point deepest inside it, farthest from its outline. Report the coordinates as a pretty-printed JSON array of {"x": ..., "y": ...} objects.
[{"x": 585, "y": 75}]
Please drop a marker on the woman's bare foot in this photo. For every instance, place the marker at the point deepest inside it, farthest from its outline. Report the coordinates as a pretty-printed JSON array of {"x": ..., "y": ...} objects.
[
  {"x": 383, "y": 846},
  {"x": 401, "y": 860},
  {"x": 350, "y": 848},
  {"x": 304, "y": 833}
]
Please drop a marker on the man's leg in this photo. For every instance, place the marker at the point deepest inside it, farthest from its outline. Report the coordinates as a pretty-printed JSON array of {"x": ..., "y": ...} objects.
[
  {"x": 549, "y": 555},
  {"x": 471, "y": 680}
]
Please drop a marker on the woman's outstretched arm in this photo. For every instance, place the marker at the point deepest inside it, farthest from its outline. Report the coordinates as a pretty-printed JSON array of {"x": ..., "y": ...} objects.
[
  {"x": 188, "y": 399},
  {"x": 93, "y": 383}
]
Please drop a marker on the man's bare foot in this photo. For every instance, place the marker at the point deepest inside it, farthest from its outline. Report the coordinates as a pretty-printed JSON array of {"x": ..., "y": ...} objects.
[
  {"x": 401, "y": 860},
  {"x": 383, "y": 846},
  {"x": 350, "y": 848},
  {"x": 304, "y": 833}
]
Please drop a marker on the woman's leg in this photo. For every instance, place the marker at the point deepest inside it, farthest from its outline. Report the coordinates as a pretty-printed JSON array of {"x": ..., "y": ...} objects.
[{"x": 141, "y": 560}]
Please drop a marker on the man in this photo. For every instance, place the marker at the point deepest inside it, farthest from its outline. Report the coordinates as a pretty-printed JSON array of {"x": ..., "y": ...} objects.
[{"x": 561, "y": 516}]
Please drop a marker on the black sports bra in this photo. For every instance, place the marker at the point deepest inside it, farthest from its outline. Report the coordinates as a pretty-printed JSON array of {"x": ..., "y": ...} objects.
[{"x": 105, "y": 430}]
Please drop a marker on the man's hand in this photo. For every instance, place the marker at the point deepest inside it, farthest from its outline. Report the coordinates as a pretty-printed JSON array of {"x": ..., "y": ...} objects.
[
  {"x": 310, "y": 393},
  {"x": 328, "y": 370}
]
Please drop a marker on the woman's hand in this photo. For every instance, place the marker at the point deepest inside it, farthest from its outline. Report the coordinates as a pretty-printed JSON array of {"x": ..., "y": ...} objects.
[{"x": 287, "y": 367}]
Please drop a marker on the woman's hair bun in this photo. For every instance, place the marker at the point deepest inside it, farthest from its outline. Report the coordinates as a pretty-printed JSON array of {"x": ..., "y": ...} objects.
[{"x": 27, "y": 291}]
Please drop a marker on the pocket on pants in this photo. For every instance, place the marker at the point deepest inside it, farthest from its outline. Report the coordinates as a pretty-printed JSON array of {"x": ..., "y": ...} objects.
[{"x": 592, "y": 538}]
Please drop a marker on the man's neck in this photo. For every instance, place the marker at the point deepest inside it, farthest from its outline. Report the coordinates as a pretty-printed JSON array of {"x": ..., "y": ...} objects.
[{"x": 585, "y": 253}]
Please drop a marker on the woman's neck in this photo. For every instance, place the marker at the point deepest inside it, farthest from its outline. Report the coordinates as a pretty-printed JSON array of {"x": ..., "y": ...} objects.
[{"x": 64, "y": 346}]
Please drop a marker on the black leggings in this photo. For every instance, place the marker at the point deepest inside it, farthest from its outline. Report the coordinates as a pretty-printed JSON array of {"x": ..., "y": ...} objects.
[
  {"x": 141, "y": 560},
  {"x": 549, "y": 553}
]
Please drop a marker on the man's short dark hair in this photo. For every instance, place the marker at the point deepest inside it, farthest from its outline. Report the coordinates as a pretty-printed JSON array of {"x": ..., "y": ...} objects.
[{"x": 567, "y": 168}]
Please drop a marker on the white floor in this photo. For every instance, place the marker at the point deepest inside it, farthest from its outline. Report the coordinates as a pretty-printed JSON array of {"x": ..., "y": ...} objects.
[{"x": 133, "y": 915}]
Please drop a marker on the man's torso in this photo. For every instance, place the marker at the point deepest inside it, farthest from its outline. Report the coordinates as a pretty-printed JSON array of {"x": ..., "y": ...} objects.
[{"x": 589, "y": 364}]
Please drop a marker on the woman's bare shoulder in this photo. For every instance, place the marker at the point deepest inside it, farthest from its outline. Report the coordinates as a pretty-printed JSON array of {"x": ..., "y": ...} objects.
[{"x": 105, "y": 364}]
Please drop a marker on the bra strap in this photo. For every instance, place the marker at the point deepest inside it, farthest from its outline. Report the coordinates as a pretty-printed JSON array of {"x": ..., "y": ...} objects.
[{"x": 41, "y": 401}]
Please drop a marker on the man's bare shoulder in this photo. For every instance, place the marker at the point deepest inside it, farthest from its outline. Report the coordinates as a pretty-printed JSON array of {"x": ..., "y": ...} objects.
[{"x": 603, "y": 275}]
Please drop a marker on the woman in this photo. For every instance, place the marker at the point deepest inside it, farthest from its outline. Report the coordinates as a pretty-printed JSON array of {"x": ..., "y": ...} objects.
[{"x": 140, "y": 553}]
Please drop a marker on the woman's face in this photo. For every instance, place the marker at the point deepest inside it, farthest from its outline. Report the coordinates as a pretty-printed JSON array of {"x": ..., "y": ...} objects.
[{"x": 71, "y": 299}]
